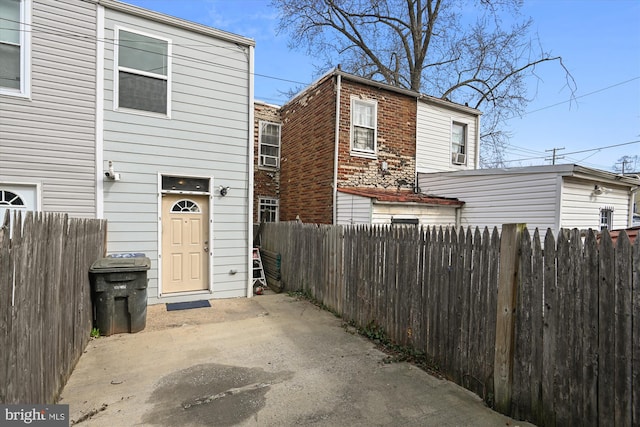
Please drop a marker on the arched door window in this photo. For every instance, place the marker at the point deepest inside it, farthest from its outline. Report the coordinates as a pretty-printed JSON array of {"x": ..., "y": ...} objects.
[
  {"x": 9, "y": 198},
  {"x": 185, "y": 206}
]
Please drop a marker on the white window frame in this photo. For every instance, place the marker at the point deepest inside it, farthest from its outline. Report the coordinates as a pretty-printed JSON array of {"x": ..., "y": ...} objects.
[
  {"x": 117, "y": 69},
  {"x": 359, "y": 151},
  {"x": 459, "y": 157},
  {"x": 25, "y": 54},
  {"x": 606, "y": 218},
  {"x": 263, "y": 157},
  {"x": 270, "y": 202}
]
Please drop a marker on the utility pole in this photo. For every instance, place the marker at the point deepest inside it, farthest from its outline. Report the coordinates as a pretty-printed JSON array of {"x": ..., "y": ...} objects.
[
  {"x": 624, "y": 164},
  {"x": 554, "y": 157}
]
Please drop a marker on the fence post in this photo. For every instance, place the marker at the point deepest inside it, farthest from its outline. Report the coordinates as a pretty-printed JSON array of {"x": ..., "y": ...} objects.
[{"x": 505, "y": 316}]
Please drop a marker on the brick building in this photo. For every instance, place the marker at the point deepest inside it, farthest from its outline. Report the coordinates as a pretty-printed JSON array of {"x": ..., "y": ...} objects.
[
  {"x": 266, "y": 175},
  {"x": 352, "y": 147}
]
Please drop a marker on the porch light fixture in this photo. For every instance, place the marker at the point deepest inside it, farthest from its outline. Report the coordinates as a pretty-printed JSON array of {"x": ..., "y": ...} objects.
[
  {"x": 223, "y": 190},
  {"x": 599, "y": 189}
]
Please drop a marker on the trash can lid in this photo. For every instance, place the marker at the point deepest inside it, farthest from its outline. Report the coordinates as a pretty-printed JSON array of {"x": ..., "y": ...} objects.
[
  {"x": 108, "y": 265},
  {"x": 127, "y": 255}
]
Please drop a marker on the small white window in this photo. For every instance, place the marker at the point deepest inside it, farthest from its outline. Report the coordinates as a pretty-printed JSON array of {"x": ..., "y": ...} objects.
[
  {"x": 606, "y": 218},
  {"x": 459, "y": 143},
  {"x": 269, "y": 138},
  {"x": 142, "y": 81},
  {"x": 268, "y": 210},
  {"x": 15, "y": 47},
  {"x": 363, "y": 126}
]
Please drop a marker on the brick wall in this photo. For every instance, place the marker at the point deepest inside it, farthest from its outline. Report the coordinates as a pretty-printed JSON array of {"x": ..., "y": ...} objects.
[
  {"x": 396, "y": 140},
  {"x": 265, "y": 180},
  {"x": 308, "y": 135}
]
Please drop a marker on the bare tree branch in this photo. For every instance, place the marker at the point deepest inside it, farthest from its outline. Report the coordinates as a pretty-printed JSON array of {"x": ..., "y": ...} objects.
[{"x": 432, "y": 47}]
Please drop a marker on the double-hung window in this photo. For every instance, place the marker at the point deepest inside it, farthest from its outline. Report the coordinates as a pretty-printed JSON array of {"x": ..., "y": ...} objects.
[
  {"x": 15, "y": 45},
  {"x": 606, "y": 218},
  {"x": 363, "y": 127},
  {"x": 268, "y": 210},
  {"x": 143, "y": 77},
  {"x": 269, "y": 137},
  {"x": 458, "y": 143}
]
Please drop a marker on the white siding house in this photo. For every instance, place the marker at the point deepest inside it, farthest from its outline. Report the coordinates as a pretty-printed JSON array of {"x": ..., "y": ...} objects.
[
  {"x": 47, "y": 106},
  {"x": 555, "y": 197},
  {"x": 144, "y": 119},
  {"x": 183, "y": 156}
]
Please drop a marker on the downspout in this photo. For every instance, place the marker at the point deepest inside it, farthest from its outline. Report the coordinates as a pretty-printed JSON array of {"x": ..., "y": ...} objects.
[
  {"x": 99, "y": 124},
  {"x": 477, "y": 156},
  {"x": 632, "y": 198},
  {"x": 336, "y": 151},
  {"x": 458, "y": 216}
]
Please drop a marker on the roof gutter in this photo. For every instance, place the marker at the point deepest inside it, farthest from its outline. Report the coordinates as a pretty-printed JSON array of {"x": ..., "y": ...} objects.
[{"x": 336, "y": 150}]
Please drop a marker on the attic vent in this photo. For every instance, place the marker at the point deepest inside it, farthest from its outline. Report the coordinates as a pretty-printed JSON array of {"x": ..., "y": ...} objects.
[{"x": 458, "y": 158}]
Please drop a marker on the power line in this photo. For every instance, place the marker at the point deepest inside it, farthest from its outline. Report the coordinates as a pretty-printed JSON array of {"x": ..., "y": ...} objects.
[
  {"x": 575, "y": 152},
  {"x": 577, "y": 97}
]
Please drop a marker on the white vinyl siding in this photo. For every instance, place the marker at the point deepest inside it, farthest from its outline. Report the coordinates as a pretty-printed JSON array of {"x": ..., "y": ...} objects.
[
  {"x": 434, "y": 138},
  {"x": 496, "y": 199},
  {"x": 581, "y": 207},
  {"x": 208, "y": 135},
  {"x": 50, "y": 139},
  {"x": 427, "y": 215},
  {"x": 542, "y": 199},
  {"x": 352, "y": 209}
]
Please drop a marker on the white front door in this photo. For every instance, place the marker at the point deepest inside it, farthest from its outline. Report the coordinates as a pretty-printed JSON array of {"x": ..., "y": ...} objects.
[{"x": 185, "y": 243}]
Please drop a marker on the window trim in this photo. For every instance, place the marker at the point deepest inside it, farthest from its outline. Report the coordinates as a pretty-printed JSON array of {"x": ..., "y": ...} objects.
[
  {"x": 465, "y": 145},
  {"x": 358, "y": 151},
  {"x": 260, "y": 161},
  {"x": 25, "y": 54},
  {"x": 117, "y": 69},
  {"x": 261, "y": 200}
]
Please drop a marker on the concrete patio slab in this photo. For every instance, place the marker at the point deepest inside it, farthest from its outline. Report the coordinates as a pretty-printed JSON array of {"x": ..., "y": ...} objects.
[{"x": 272, "y": 360}]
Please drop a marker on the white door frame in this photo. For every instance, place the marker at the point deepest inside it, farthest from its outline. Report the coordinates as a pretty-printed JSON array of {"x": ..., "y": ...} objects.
[{"x": 208, "y": 193}]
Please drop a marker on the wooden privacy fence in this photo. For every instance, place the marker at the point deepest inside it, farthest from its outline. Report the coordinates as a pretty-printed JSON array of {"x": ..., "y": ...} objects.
[
  {"x": 45, "y": 305},
  {"x": 548, "y": 334}
]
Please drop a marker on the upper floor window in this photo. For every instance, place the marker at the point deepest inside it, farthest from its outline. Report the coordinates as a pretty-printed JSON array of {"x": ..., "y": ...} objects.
[
  {"x": 15, "y": 43},
  {"x": 269, "y": 137},
  {"x": 268, "y": 210},
  {"x": 363, "y": 126},
  {"x": 606, "y": 218},
  {"x": 142, "y": 81},
  {"x": 458, "y": 143}
]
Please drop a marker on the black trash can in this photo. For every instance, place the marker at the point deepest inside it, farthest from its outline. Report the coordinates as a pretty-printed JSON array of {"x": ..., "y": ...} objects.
[{"x": 119, "y": 294}]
